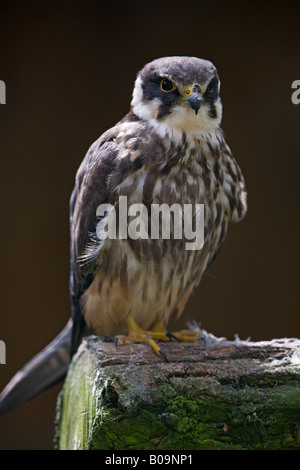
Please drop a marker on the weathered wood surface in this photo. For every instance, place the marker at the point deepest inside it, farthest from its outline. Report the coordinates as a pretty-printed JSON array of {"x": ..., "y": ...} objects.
[{"x": 218, "y": 395}]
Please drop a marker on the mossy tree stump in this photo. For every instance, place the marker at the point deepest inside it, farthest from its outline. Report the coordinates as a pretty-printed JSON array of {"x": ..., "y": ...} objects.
[{"x": 218, "y": 395}]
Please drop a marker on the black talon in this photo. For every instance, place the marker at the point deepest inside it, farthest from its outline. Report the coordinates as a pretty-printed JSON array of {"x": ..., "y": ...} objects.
[
  {"x": 163, "y": 354},
  {"x": 203, "y": 339},
  {"x": 171, "y": 335}
]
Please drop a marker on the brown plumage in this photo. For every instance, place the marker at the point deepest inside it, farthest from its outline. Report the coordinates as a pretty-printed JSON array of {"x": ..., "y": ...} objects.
[{"x": 168, "y": 149}]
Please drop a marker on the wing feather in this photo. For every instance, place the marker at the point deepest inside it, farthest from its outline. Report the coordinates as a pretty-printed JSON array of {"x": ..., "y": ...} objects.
[{"x": 90, "y": 191}]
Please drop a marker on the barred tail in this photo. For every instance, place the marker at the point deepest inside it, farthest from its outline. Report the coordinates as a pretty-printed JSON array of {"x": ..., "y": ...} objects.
[{"x": 41, "y": 372}]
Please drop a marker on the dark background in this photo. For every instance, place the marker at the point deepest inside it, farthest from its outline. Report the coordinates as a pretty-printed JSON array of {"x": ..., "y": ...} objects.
[{"x": 69, "y": 68}]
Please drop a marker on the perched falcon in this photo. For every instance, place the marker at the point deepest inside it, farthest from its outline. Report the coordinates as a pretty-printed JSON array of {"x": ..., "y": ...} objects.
[{"x": 169, "y": 149}]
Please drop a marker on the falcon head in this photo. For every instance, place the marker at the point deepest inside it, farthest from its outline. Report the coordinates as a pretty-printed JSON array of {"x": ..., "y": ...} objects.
[{"x": 179, "y": 92}]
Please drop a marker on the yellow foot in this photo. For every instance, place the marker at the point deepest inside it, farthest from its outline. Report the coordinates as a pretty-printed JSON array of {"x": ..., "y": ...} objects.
[
  {"x": 137, "y": 335},
  {"x": 159, "y": 333},
  {"x": 188, "y": 336}
]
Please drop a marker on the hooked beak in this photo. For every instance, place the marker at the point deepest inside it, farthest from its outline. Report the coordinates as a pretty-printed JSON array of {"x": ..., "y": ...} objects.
[{"x": 194, "y": 98}]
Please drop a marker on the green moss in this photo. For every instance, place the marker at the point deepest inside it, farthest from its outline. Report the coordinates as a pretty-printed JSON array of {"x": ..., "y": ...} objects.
[{"x": 78, "y": 405}]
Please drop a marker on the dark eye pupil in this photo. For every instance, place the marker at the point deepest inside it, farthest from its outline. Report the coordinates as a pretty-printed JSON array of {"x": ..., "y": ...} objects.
[{"x": 167, "y": 85}]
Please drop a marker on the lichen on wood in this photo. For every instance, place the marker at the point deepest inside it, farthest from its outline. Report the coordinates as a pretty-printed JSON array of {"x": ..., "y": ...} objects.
[{"x": 218, "y": 395}]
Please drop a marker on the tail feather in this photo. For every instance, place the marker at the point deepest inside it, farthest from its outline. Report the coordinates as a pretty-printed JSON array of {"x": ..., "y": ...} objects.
[{"x": 41, "y": 372}]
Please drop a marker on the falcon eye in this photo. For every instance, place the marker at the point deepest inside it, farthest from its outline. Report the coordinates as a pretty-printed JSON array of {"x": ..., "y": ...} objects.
[
  {"x": 167, "y": 85},
  {"x": 212, "y": 87}
]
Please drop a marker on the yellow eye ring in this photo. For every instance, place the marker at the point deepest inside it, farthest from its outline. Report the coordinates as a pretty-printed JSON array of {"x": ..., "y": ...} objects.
[{"x": 167, "y": 86}]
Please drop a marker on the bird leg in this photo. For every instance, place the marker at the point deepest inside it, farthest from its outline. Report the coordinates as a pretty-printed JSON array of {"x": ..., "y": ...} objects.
[
  {"x": 187, "y": 336},
  {"x": 158, "y": 333},
  {"x": 137, "y": 335}
]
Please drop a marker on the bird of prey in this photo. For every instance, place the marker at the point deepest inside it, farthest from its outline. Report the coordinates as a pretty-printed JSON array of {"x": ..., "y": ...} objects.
[{"x": 169, "y": 149}]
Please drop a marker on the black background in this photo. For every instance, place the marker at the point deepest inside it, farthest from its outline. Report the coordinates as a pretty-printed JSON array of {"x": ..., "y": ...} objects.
[{"x": 69, "y": 68}]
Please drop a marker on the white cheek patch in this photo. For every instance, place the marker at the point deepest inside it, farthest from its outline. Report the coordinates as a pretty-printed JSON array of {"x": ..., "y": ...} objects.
[
  {"x": 145, "y": 110},
  {"x": 137, "y": 96}
]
